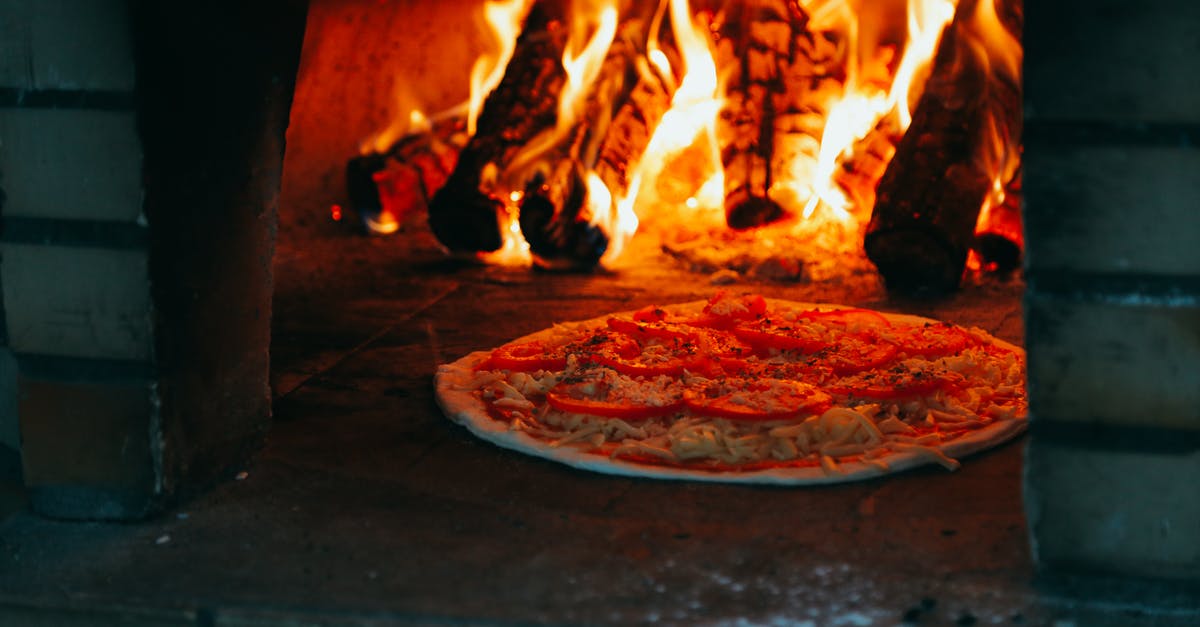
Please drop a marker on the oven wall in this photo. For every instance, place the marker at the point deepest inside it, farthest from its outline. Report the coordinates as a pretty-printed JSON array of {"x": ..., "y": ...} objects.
[
  {"x": 1112, "y": 152},
  {"x": 365, "y": 64},
  {"x": 141, "y": 147}
]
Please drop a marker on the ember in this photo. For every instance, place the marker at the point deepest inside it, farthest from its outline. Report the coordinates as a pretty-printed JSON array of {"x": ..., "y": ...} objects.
[{"x": 773, "y": 118}]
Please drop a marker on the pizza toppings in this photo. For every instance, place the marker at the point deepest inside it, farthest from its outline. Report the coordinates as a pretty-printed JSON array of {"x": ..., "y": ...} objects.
[{"x": 743, "y": 383}]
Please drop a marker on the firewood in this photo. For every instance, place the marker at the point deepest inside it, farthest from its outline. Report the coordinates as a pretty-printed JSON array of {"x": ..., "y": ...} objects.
[
  {"x": 621, "y": 110},
  {"x": 631, "y": 131},
  {"x": 998, "y": 238},
  {"x": 388, "y": 186},
  {"x": 556, "y": 216},
  {"x": 929, "y": 198},
  {"x": 463, "y": 213},
  {"x": 813, "y": 77},
  {"x": 758, "y": 33}
]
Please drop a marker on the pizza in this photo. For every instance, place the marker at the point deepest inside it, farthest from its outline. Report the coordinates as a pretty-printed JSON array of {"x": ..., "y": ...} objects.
[{"x": 741, "y": 388}]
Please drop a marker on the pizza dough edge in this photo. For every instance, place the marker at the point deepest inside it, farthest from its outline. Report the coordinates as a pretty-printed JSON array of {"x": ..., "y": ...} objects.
[{"x": 455, "y": 397}]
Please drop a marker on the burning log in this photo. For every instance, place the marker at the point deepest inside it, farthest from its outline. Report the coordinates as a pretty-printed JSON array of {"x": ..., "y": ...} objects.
[
  {"x": 463, "y": 213},
  {"x": 761, "y": 34},
  {"x": 998, "y": 237},
  {"x": 385, "y": 187},
  {"x": 814, "y": 77},
  {"x": 929, "y": 199},
  {"x": 631, "y": 131},
  {"x": 557, "y": 214},
  {"x": 621, "y": 110}
]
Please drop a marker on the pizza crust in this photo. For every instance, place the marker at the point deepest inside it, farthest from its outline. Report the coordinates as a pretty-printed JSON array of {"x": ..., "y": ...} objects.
[{"x": 455, "y": 395}]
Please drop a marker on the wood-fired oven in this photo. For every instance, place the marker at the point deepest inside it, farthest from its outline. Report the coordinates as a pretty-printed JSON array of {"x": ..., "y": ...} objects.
[{"x": 173, "y": 278}]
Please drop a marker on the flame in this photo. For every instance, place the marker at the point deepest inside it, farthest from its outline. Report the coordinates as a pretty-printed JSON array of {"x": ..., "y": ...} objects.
[
  {"x": 582, "y": 61},
  {"x": 861, "y": 108},
  {"x": 689, "y": 122},
  {"x": 504, "y": 17},
  {"x": 926, "y": 21},
  {"x": 514, "y": 250},
  {"x": 1001, "y": 55}
]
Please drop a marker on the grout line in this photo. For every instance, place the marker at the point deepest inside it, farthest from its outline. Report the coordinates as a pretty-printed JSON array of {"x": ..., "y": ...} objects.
[{"x": 454, "y": 287}]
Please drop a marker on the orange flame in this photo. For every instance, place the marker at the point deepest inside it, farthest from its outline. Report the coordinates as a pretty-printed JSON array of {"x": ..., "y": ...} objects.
[
  {"x": 864, "y": 101},
  {"x": 1001, "y": 54},
  {"x": 504, "y": 17},
  {"x": 926, "y": 21}
]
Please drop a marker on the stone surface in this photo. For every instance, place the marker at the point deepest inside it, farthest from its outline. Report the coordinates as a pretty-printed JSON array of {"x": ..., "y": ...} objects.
[
  {"x": 70, "y": 163},
  {"x": 369, "y": 507},
  {"x": 336, "y": 109},
  {"x": 1112, "y": 209},
  {"x": 65, "y": 44},
  {"x": 1118, "y": 364},
  {"x": 77, "y": 302},
  {"x": 1141, "y": 516},
  {"x": 87, "y": 450},
  {"x": 9, "y": 428},
  {"x": 1104, "y": 60}
]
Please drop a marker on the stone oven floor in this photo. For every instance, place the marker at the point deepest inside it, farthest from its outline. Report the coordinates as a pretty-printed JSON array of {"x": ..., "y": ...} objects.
[{"x": 368, "y": 507}]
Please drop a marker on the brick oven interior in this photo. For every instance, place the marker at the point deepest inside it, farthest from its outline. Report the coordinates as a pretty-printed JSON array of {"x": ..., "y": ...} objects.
[{"x": 364, "y": 505}]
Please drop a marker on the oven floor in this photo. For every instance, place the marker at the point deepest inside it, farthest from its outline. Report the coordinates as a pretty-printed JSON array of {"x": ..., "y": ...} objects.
[{"x": 368, "y": 507}]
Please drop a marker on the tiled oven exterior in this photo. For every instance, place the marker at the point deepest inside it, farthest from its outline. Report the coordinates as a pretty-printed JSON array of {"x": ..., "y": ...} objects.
[
  {"x": 1112, "y": 306},
  {"x": 141, "y": 153}
]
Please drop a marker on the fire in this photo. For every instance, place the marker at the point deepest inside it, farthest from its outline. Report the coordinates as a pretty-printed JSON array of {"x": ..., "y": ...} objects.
[
  {"x": 926, "y": 20},
  {"x": 504, "y": 17},
  {"x": 1002, "y": 55},
  {"x": 830, "y": 84}
]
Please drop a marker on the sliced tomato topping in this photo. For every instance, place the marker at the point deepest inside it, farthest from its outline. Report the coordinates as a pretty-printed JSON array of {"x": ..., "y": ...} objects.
[
  {"x": 898, "y": 382},
  {"x": 714, "y": 343},
  {"x": 653, "y": 313},
  {"x": 759, "y": 400},
  {"x": 648, "y": 331},
  {"x": 798, "y": 337},
  {"x": 630, "y": 401},
  {"x": 723, "y": 310},
  {"x": 849, "y": 317},
  {"x": 525, "y": 357},
  {"x": 672, "y": 367},
  {"x": 933, "y": 340},
  {"x": 856, "y": 353},
  {"x": 603, "y": 343}
]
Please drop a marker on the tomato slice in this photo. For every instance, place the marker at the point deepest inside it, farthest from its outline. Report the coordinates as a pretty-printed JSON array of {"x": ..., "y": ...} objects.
[
  {"x": 782, "y": 337},
  {"x": 850, "y": 317},
  {"x": 630, "y": 400},
  {"x": 933, "y": 340},
  {"x": 653, "y": 313},
  {"x": 759, "y": 400},
  {"x": 898, "y": 382},
  {"x": 856, "y": 353},
  {"x": 723, "y": 311},
  {"x": 603, "y": 343},
  {"x": 525, "y": 357},
  {"x": 649, "y": 331}
]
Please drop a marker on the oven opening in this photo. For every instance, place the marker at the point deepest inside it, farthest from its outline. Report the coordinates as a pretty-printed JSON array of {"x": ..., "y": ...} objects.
[{"x": 218, "y": 351}]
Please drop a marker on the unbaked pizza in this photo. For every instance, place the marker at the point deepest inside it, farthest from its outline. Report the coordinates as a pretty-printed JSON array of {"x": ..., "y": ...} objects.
[{"x": 741, "y": 388}]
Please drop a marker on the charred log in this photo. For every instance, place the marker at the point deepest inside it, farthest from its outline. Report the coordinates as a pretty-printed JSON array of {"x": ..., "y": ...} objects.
[
  {"x": 554, "y": 222},
  {"x": 385, "y": 187},
  {"x": 632, "y": 128},
  {"x": 998, "y": 238},
  {"x": 463, "y": 213},
  {"x": 760, "y": 35},
  {"x": 610, "y": 134},
  {"x": 813, "y": 77},
  {"x": 929, "y": 198}
]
